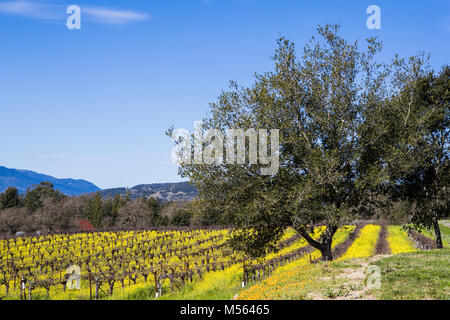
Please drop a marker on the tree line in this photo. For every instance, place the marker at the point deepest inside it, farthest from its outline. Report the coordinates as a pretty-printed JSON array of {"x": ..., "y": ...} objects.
[{"x": 46, "y": 210}]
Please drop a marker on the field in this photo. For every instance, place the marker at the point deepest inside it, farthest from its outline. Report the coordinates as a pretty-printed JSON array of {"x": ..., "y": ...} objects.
[{"x": 197, "y": 264}]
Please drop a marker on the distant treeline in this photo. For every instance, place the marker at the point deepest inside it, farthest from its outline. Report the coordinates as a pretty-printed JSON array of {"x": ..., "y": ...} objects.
[{"x": 43, "y": 209}]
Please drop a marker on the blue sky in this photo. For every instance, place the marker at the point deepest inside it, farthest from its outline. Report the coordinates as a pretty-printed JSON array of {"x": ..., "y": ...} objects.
[{"x": 94, "y": 103}]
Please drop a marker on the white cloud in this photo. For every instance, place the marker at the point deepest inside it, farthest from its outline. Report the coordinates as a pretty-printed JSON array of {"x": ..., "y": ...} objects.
[
  {"x": 30, "y": 9},
  {"x": 113, "y": 16},
  {"x": 49, "y": 12}
]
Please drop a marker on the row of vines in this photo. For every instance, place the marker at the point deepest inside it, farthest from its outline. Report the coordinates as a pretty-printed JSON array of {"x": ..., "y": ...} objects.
[
  {"x": 101, "y": 264},
  {"x": 97, "y": 263}
]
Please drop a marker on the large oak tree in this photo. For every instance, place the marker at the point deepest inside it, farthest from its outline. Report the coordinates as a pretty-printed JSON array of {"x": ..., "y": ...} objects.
[{"x": 341, "y": 142}]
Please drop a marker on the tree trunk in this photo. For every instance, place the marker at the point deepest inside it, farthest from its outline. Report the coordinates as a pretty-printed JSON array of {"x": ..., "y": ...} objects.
[
  {"x": 325, "y": 241},
  {"x": 325, "y": 249},
  {"x": 437, "y": 231}
]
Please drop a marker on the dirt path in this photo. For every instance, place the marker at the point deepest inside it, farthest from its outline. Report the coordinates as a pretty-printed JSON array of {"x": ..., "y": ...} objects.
[
  {"x": 354, "y": 286},
  {"x": 358, "y": 276},
  {"x": 382, "y": 246}
]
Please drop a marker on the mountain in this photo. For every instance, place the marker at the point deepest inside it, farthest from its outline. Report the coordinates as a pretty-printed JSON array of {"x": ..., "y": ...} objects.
[
  {"x": 163, "y": 191},
  {"x": 22, "y": 179}
]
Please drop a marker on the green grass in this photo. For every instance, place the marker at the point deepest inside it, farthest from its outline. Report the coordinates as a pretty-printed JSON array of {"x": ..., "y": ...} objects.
[{"x": 415, "y": 275}]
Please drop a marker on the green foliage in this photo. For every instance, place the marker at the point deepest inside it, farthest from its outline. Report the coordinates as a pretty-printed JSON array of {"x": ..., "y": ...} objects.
[
  {"x": 352, "y": 133},
  {"x": 35, "y": 196},
  {"x": 9, "y": 198},
  {"x": 181, "y": 217},
  {"x": 322, "y": 105},
  {"x": 155, "y": 210},
  {"x": 424, "y": 177},
  {"x": 256, "y": 243},
  {"x": 95, "y": 209}
]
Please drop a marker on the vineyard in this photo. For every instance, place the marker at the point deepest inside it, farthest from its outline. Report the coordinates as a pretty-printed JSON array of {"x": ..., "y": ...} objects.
[
  {"x": 103, "y": 262},
  {"x": 161, "y": 264}
]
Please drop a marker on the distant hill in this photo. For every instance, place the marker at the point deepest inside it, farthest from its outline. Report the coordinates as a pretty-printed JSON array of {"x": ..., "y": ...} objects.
[
  {"x": 162, "y": 191},
  {"x": 22, "y": 179}
]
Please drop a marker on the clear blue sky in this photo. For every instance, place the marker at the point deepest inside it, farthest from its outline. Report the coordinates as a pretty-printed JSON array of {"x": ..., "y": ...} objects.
[{"x": 94, "y": 103}]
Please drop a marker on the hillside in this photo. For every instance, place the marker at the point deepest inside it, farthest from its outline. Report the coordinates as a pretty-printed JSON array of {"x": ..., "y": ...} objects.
[
  {"x": 163, "y": 191},
  {"x": 23, "y": 179}
]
